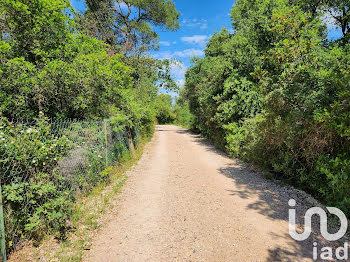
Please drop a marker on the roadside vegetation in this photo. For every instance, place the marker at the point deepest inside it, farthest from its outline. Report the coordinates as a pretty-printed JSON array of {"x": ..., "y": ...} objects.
[
  {"x": 90, "y": 212},
  {"x": 174, "y": 111},
  {"x": 275, "y": 91},
  {"x": 76, "y": 88},
  {"x": 79, "y": 95}
]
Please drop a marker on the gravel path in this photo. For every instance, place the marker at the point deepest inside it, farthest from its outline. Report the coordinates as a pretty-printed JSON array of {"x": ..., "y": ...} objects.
[{"x": 187, "y": 201}]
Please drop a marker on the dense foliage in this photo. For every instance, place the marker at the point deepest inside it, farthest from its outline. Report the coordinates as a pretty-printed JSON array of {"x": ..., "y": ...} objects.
[
  {"x": 128, "y": 24},
  {"x": 47, "y": 65},
  {"x": 33, "y": 200},
  {"x": 56, "y": 65},
  {"x": 165, "y": 113},
  {"x": 275, "y": 92},
  {"x": 46, "y": 165},
  {"x": 173, "y": 112},
  {"x": 181, "y": 110}
]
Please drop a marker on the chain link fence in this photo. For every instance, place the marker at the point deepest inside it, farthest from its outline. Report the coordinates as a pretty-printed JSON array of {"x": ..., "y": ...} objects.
[{"x": 46, "y": 165}]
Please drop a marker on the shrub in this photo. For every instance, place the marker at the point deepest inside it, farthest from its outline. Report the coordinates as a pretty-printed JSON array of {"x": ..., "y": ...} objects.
[
  {"x": 275, "y": 92},
  {"x": 34, "y": 199}
]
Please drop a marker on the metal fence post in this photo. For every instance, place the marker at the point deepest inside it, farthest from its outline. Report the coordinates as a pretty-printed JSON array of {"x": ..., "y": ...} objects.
[
  {"x": 106, "y": 140},
  {"x": 2, "y": 229}
]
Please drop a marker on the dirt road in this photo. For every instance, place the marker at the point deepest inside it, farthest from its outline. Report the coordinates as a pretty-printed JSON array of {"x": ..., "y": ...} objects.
[{"x": 186, "y": 201}]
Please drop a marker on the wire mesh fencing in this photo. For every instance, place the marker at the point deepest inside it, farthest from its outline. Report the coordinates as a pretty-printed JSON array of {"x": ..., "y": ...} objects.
[{"x": 46, "y": 165}]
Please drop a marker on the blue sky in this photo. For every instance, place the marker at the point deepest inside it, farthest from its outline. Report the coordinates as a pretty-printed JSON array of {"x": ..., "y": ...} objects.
[{"x": 199, "y": 20}]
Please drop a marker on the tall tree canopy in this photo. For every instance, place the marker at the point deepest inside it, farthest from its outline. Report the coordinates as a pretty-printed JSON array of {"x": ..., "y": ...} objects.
[
  {"x": 129, "y": 23},
  {"x": 34, "y": 28},
  {"x": 47, "y": 64},
  {"x": 339, "y": 10},
  {"x": 336, "y": 12}
]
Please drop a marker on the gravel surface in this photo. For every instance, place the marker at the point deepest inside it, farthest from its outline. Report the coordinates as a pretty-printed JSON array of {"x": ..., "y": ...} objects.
[{"x": 187, "y": 201}]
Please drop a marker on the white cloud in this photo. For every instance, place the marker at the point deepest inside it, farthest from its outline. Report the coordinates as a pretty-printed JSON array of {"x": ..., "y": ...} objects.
[
  {"x": 203, "y": 26},
  {"x": 165, "y": 43},
  {"x": 180, "y": 83},
  {"x": 196, "y": 39},
  {"x": 193, "y": 23},
  {"x": 178, "y": 70},
  {"x": 329, "y": 20},
  {"x": 184, "y": 53},
  {"x": 189, "y": 53},
  {"x": 163, "y": 55},
  {"x": 121, "y": 6}
]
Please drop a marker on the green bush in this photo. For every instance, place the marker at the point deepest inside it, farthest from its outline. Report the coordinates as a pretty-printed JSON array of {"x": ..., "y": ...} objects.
[
  {"x": 164, "y": 109},
  {"x": 183, "y": 116},
  {"x": 51, "y": 65},
  {"x": 47, "y": 165},
  {"x": 34, "y": 199},
  {"x": 335, "y": 173},
  {"x": 275, "y": 92}
]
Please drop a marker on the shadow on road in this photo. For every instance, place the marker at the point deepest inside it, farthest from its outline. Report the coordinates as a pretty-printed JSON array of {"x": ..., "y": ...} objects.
[{"x": 273, "y": 197}]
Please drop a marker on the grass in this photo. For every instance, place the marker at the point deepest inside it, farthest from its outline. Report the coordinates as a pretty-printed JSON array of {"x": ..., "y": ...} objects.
[
  {"x": 87, "y": 216},
  {"x": 88, "y": 211}
]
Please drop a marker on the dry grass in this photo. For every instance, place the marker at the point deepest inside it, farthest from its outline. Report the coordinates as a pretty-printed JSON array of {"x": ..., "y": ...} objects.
[{"x": 86, "y": 220}]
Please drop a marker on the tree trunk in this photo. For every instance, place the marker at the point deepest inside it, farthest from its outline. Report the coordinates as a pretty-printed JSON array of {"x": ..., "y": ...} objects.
[{"x": 131, "y": 142}]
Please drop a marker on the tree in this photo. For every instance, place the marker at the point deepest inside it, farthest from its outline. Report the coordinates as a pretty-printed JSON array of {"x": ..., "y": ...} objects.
[
  {"x": 275, "y": 92},
  {"x": 34, "y": 28},
  {"x": 128, "y": 23},
  {"x": 46, "y": 65},
  {"x": 164, "y": 109},
  {"x": 336, "y": 10},
  {"x": 311, "y": 6},
  {"x": 183, "y": 116},
  {"x": 340, "y": 11}
]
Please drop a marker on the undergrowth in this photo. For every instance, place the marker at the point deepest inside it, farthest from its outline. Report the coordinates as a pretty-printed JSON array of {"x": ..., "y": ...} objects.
[{"x": 87, "y": 215}]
